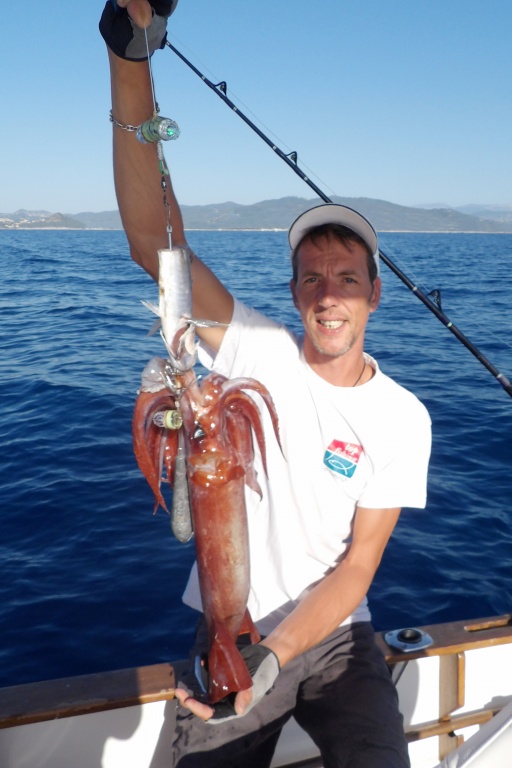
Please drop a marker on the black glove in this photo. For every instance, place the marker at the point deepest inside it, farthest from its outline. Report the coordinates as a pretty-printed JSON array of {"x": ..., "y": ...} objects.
[
  {"x": 126, "y": 39},
  {"x": 263, "y": 666}
]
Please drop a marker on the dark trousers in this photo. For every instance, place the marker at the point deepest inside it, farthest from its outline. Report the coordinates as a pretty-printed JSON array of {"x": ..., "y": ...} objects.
[{"x": 340, "y": 692}]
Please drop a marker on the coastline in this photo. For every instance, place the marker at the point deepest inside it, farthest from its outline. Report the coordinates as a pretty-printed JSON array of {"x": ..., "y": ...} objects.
[{"x": 259, "y": 229}]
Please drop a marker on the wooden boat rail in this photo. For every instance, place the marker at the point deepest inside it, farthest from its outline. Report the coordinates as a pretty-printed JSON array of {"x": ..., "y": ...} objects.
[
  {"x": 451, "y": 641},
  {"x": 85, "y": 694}
]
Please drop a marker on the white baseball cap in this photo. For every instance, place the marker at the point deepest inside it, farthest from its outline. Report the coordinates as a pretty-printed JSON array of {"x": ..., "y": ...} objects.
[{"x": 332, "y": 213}]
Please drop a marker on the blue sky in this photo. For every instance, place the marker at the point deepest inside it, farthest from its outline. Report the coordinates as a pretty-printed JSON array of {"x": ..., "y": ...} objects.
[{"x": 403, "y": 100}]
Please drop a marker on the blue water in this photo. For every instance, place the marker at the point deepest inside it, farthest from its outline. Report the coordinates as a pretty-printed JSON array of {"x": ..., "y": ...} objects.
[{"x": 90, "y": 579}]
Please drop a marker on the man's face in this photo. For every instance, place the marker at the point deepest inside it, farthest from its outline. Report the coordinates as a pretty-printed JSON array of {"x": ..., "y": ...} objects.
[{"x": 334, "y": 296}]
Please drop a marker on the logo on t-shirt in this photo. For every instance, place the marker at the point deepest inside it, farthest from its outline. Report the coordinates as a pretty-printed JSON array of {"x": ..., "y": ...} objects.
[{"x": 343, "y": 458}]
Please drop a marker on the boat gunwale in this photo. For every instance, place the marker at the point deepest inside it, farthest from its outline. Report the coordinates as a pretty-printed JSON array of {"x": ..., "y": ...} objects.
[
  {"x": 101, "y": 691},
  {"x": 455, "y": 637},
  {"x": 85, "y": 694}
]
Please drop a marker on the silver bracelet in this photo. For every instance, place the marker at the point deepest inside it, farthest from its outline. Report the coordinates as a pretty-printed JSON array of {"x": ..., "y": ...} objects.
[{"x": 127, "y": 126}]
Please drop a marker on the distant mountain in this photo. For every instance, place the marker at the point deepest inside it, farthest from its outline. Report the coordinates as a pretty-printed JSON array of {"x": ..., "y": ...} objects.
[
  {"x": 497, "y": 213},
  {"x": 389, "y": 217},
  {"x": 103, "y": 220},
  {"x": 385, "y": 216},
  {"x": 493, "y": 212},
  {"x": 278, "y": 214},
  {"x": 38, "y": 220}
]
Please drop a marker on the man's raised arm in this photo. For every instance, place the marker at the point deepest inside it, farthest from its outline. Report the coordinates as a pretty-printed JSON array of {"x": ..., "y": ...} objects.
[{"x": 136, "y": 167}]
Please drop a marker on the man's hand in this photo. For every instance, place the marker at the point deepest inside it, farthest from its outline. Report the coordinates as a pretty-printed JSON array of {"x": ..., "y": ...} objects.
[
  {"x": 140, "y": 11},
  {"x": 122, "y": 24},
  {"x": 263, "y": 666}
]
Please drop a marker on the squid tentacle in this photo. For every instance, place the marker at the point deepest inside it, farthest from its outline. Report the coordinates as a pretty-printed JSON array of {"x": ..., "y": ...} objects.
[
  {"x": 252, "y": 385},
  {"x": 240, "y": 436},
  {"x": 147, "y": 438},
  {"x": 241, "y": 405}
]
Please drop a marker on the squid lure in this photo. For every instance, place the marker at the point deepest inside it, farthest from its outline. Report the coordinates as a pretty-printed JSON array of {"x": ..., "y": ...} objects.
[
  {"x": 168, "y": 419},
  {"x": 157, "y": 129}
]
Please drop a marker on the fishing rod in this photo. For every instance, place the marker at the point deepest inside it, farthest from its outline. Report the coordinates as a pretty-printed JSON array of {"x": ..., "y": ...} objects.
[{"x": 434, "y": 304}]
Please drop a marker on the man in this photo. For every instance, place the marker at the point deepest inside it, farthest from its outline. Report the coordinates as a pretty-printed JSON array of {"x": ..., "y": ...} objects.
[{"x": 355, "y": 444}]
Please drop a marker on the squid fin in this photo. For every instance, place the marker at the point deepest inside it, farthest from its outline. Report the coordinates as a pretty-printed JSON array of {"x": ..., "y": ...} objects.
[
  {"x": 248, "y": 628},
  {"x": 227, "y": 671}
]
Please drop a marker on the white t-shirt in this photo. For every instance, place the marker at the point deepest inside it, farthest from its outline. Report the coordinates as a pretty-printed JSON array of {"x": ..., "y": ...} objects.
[{"x": 343, "y": 446}]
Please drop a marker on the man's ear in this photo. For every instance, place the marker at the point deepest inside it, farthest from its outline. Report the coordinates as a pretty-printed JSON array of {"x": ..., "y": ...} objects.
[{"x": 376, "y": 291}]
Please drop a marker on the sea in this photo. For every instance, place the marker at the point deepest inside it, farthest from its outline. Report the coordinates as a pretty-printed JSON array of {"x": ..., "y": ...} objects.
[{"x": 90, "y": 578}]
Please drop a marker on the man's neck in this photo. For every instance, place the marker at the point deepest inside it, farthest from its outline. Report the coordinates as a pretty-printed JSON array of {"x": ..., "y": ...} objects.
[{"x": 347, "y": 370}]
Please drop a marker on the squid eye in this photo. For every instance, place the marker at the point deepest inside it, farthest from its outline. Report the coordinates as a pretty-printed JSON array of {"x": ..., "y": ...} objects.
[{"x": 199, "y": 433}]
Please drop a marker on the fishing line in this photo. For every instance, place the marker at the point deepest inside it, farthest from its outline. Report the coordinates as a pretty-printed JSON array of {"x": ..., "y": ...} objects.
[
  {"x": 154, "y": 131},
  {"x": 437, "y": 295},
  {"x": 291, "y": 160},
  {"x": 258, "y": 119},
  {"x": 151, "y": 79}
]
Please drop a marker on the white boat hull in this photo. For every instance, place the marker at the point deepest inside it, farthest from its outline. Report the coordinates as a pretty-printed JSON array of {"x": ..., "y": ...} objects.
[{"x": 126, "y": 718}]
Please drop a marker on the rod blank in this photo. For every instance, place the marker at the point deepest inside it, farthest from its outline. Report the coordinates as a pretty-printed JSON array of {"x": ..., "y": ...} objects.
[{"x": 291, "y": 161}]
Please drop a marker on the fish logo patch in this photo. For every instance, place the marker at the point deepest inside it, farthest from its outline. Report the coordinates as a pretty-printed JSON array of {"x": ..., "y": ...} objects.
[{"x": 343, "y": 458}]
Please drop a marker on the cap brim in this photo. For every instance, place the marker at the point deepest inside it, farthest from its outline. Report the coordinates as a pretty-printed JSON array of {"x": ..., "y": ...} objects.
[{"x": 332, "y": 213}]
